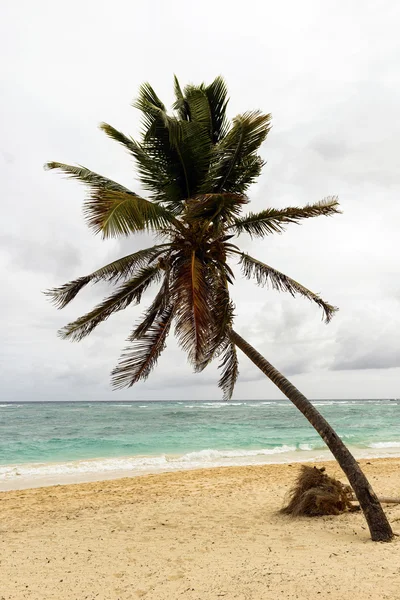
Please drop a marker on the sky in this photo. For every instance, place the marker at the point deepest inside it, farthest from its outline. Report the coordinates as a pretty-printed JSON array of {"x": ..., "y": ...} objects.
[{"x": 329, "y": 74}]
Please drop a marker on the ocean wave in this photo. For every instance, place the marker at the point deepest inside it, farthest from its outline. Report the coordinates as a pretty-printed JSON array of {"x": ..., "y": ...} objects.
[
  {"x": 207, "y": 455},
  {"x": 220, "y": 404},
  {"x": 226, "y": 404},
  {"x": 308, "y": 447},
  {"x": 384, "y": 445},
  {"x": 139, "y": 464},
  {"x": 31, "y": 474},
  {"x": 341, "y": 403}
]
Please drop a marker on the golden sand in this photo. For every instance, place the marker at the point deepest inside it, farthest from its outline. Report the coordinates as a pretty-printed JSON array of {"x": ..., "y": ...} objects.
[{"x": 195, "y": 535}]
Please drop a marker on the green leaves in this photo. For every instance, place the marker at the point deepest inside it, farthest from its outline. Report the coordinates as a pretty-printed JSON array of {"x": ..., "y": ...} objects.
[
  {"x": 129, "y": 292},
  {"x": 274, "y": 220},
  {"x": 234, "y": 162},
  {"x": 160, "y": 302},
  {"x": 122, "y": 213},
  {"x": 204, "y": 104},
  {"x": 113, "y": 272},
  {"x": 230, "y": 371},
  {"x": 198, "y": 108},
  {"x": 112, "y": 209},
  {"x": 214, "y": 208},
  {"x": 180, "y": 104},
  {"x": 180, "y": 146},
  {"x": 138, "y": 361},
  {"x": 264, "y": 275},
  {"x": 154, "y": 175},
  {"x": 217, "y": 96}
]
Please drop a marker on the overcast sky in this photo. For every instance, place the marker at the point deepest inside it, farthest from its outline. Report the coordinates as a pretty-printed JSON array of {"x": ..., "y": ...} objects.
[{"x": 329, "y": 74}]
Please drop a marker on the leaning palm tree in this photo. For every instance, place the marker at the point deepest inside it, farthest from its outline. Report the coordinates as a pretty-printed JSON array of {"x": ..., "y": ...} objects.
[{"x": 196, "y": 168}]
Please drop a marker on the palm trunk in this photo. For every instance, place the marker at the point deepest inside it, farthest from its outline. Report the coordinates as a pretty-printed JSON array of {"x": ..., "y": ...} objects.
[{"x": 377, "y": 522}]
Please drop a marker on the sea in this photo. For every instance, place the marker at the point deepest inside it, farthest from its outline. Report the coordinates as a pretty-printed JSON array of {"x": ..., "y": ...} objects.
[{"x": 44, "y": 443}]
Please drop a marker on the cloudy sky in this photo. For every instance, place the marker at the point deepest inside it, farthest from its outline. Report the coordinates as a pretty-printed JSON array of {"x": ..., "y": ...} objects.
[{"x": 329, "y": 74}]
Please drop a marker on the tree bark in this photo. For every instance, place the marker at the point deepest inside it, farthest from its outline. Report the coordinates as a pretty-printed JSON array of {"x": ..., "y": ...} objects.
[{"x": 378, "y": 524}]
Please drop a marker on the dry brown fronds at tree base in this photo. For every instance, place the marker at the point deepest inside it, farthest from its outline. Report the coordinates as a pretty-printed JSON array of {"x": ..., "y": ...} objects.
[{"x": 316, "y": 494}]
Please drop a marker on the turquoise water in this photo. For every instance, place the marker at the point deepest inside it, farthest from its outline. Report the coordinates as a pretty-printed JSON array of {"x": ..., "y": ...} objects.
[{"x": 107, "y": 436}]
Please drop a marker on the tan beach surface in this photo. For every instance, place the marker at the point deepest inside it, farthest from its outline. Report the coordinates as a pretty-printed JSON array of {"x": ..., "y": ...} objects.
[{"x": 195, "y": 535}]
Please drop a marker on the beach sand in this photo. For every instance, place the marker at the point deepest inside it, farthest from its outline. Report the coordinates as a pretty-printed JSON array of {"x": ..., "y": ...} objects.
[{"x": 195, "y": 535}]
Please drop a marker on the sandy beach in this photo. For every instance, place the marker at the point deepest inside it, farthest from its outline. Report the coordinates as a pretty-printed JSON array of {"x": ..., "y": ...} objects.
[{"x": 195, "y": 535}]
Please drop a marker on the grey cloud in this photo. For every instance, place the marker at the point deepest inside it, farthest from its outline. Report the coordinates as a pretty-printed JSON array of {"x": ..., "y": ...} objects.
[
  {"x": 335, "y": 131},
  {"x": 78, "y": 379},
  {"x": 386, "y": 358},
  {"x": 8, "y": 157},
  {"x": 368, "y": 339},
  {"x": 44, "y": 256},
  {"x": 330, "y": 149}
]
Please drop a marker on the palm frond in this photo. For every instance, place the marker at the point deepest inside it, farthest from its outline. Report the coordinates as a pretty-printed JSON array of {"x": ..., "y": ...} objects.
[
  {"x": 180, "y": 104},
  {"x": 112, "y": 209},
  {"x": 113, "y": 272},
  {"x": 154, "y": 111},
  {"x": 84, "y": 175},
  {"x": 121, "y": 213},
  {"x": 147, "y": 99},
  {"x": 138, "y": 361},
  {"x": 214, "y": 207},
  {"x": 249, "y": 171},
  {"x": 230, "y": 371},
  {"x": 264, "y": 275},
  {"x": 159, "y": 304},
  {"x": 182, "y": 148},
  {"x": 157, "y": 173},
  {"x": 119, "y": 137},
  {"x": 221, "y": 319},
  {"x": 273, "y": 220},
  {"x": 128, "y": 292},
  {"x": 217, "y": 95},
  {"x": 199, "y": 107},
  {"x": 192, "y": 307},
  {"x": 242, "y": 141}
]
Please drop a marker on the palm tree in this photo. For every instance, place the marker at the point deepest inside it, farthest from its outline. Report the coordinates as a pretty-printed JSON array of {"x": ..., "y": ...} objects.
[{"x": 196, "y": 168}]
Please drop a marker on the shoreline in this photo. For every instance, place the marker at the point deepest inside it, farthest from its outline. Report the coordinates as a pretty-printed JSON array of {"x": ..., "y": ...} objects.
[
  {"x": 196, "y": 534},
  {"x": 35, "y": 475}
]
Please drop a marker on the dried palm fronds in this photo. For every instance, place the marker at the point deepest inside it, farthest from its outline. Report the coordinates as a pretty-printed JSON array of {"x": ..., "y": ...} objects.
[{"x": 316, "y": 494}]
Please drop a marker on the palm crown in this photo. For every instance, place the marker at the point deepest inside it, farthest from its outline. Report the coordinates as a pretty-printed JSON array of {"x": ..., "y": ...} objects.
[{"x": 196, "y": 168}]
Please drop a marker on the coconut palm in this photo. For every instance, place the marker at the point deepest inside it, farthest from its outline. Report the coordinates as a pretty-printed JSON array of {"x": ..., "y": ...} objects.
[{"x": 196, "y": 169}]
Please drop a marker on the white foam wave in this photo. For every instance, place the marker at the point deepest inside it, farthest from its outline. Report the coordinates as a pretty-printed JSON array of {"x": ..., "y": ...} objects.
[
  {"x": 308, "y": 447},
  {"x": 219, "y": 404},
  {"x": 384, "y": 445},
  {"x": 34, "y": 474},
  {"x": 128, "y": 466},
  {"x": 212, "y": 455}
]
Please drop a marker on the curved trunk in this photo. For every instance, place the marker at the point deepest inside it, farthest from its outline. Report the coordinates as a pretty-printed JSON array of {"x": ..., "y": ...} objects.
[{"x": 377, "y": 522}]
